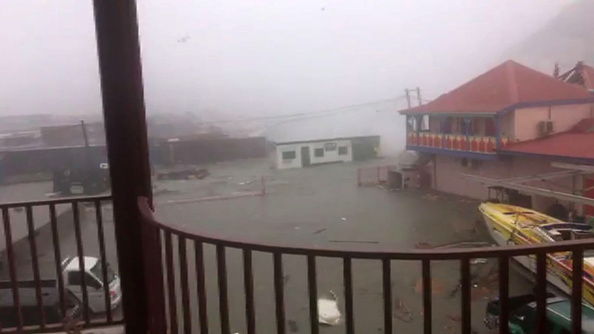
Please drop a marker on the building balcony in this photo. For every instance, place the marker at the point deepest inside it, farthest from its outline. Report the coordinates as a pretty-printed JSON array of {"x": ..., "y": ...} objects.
[{"x": 454, "y": 144}]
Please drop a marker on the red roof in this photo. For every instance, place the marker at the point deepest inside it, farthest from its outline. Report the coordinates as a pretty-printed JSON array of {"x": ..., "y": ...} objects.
[
  {"x": 575, "y": 143},
  {"x": 503, "y": 86}
]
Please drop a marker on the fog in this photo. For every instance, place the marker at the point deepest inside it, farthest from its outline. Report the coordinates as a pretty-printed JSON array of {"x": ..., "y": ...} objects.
[{"x": 226, "y": 60}]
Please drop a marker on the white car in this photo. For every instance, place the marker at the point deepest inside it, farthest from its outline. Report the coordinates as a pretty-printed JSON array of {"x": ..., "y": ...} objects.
[{"x": 94, "y": 281}]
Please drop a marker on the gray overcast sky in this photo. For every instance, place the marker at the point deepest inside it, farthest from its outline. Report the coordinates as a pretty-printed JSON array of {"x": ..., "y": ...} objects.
[{"x": 260, "y": 57}]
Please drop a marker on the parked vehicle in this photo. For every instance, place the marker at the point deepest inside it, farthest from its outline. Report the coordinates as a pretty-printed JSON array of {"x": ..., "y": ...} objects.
[
  {"x": 522, "y": 317},
  {"x": 94, "y": 281},
  {"x": 30, "y": 310}
]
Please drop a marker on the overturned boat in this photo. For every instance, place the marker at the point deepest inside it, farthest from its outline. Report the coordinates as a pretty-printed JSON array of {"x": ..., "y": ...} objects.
[{"x": 514, "y": 225}]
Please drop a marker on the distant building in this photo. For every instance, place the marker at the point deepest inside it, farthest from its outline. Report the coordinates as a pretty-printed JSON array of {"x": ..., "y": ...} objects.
[
  {"x": 72, "y": 135},
  {"x": 510, "y": 122},
  {"x": 323, "y": 151}
]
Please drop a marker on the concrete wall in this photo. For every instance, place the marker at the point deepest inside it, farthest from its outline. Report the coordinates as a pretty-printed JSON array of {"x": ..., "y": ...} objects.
[
  {"x": 448, "y": 170},
  {"x": 329, "y": 156},
  {"x": 526, "y": 122},
  {"x": 288, "y": 163},
  {"x": 507, "y": 126}
]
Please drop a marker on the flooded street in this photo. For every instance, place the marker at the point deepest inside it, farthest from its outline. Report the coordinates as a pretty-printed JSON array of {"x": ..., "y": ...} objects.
[{"x": 323, "y": 207}]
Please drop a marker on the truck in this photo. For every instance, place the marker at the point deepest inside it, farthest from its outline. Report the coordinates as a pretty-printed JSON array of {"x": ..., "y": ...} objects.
[
  {"x": 522, "y": 317},
  {"x": 72, "y": 278}
]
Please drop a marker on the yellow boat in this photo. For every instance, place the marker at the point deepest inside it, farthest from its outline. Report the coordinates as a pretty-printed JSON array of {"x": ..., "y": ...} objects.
[{"x": 514, "y": 225}]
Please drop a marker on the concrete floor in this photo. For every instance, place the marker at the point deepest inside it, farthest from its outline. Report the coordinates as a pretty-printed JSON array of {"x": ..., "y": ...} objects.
[{"x": 323, "y": 207}]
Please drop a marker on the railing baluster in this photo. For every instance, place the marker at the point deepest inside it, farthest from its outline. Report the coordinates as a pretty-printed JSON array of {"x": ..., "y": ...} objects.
[
  {"x": 387, "y": 283},
  {"x": 223, "y": 297},
  {"x": 427, "y": 295},
  {"x": 503, "y": 295},
  {"x": 101, "y": 236},
  {"x": 12, "y": 266},
  {"x": 347, "y": 276},
  {"x": 248, "y": 283},
  {"x": 57, "y": 256},
  {"x": 541, "y": 292},
  {"x": 312, "y": 285},
  {"x": 465, "y": 287},
  {"x": 201, "y": 286},
  {"x": 35, "y": 263},
  {"x": 81, "y": 261},
  {"x": 185, "y": 294},
  {"x": 576, "y": 290},
  {"x": 279, "y": 293},
  {"x": 171, "y": 296}
]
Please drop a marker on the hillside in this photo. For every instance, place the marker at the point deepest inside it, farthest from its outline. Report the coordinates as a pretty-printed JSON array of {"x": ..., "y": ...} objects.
[{"x": 566, "y": 39}]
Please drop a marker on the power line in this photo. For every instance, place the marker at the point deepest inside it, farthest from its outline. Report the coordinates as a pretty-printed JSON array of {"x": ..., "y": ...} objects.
[{"x": 301, "y": 115}]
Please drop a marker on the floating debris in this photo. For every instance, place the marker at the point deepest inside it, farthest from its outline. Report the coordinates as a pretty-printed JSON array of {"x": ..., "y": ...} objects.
[
  {"x": 355, "y": 241},
  {"x": 245, "y": 183},
  {"x": 328, "y": 312},
  {"x": 454, "y": 317},
  {"x": 402, "y": 312},
  {"x": 293, "y": 327},
  {"x": 423, "y": 245},
  {"x": 478, "y": 261},
  {"x": 184, "y": 174},
  {"x": 343, "y": 219},
  {"x": 320, "y": 231},
  {"x": 437, "y": 288}
]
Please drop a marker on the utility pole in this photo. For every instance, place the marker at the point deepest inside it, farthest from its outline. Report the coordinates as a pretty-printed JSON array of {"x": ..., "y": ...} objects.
[
  {"x": 406, "y": 91},
  {"x": 84, "y": 132}
]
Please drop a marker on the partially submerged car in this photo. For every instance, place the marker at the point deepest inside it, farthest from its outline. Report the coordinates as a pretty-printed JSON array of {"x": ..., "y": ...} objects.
[{"x": 522, "y": 317}]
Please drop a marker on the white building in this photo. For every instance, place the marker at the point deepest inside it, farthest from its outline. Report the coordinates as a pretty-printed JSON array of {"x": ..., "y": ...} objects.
[{"x": 323, "y": 151}]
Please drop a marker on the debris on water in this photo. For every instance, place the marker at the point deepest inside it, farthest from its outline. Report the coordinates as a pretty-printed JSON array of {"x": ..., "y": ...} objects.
[
  {"x": 423, "y": 245},
  {"x": 343, "y": 219},
  {"x": 245, "y": 182},
  {"x": 297, "y": 227},
  {"x": 437, "y": 288},
  {"x": 293, "y": 327},
  {"x": 328, "y": 312},
  {"x": 478, "y": 261},
  {"x": 454, "y": 317},
  {"x": 184, "y": 174},
  {"x": 432, "y": 197},
  {"x": 54, "y": 194},
  {"x": 355, "y": 241},
  {"x": 320, "y": 231},
  {"x": 464, "y": 244},
  {"x": 401, "y": 311}
]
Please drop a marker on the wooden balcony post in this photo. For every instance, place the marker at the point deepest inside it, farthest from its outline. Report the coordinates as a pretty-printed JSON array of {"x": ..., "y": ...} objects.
[
  {"x": 497, "y": 132},
  {"x": 125, "y": 124},
  {"x": 468, "y": 123}
]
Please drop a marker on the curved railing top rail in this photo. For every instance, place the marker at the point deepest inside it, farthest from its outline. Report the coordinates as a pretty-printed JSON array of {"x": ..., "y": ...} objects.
[
  {"x": 61, "y": 200},
  {"x": 392, "y": 254}
]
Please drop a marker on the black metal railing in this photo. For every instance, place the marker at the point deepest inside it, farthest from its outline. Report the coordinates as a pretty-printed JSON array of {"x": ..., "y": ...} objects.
[
  {"x": 36, "y": 244},
  {"x": 170, "y": 282}
]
